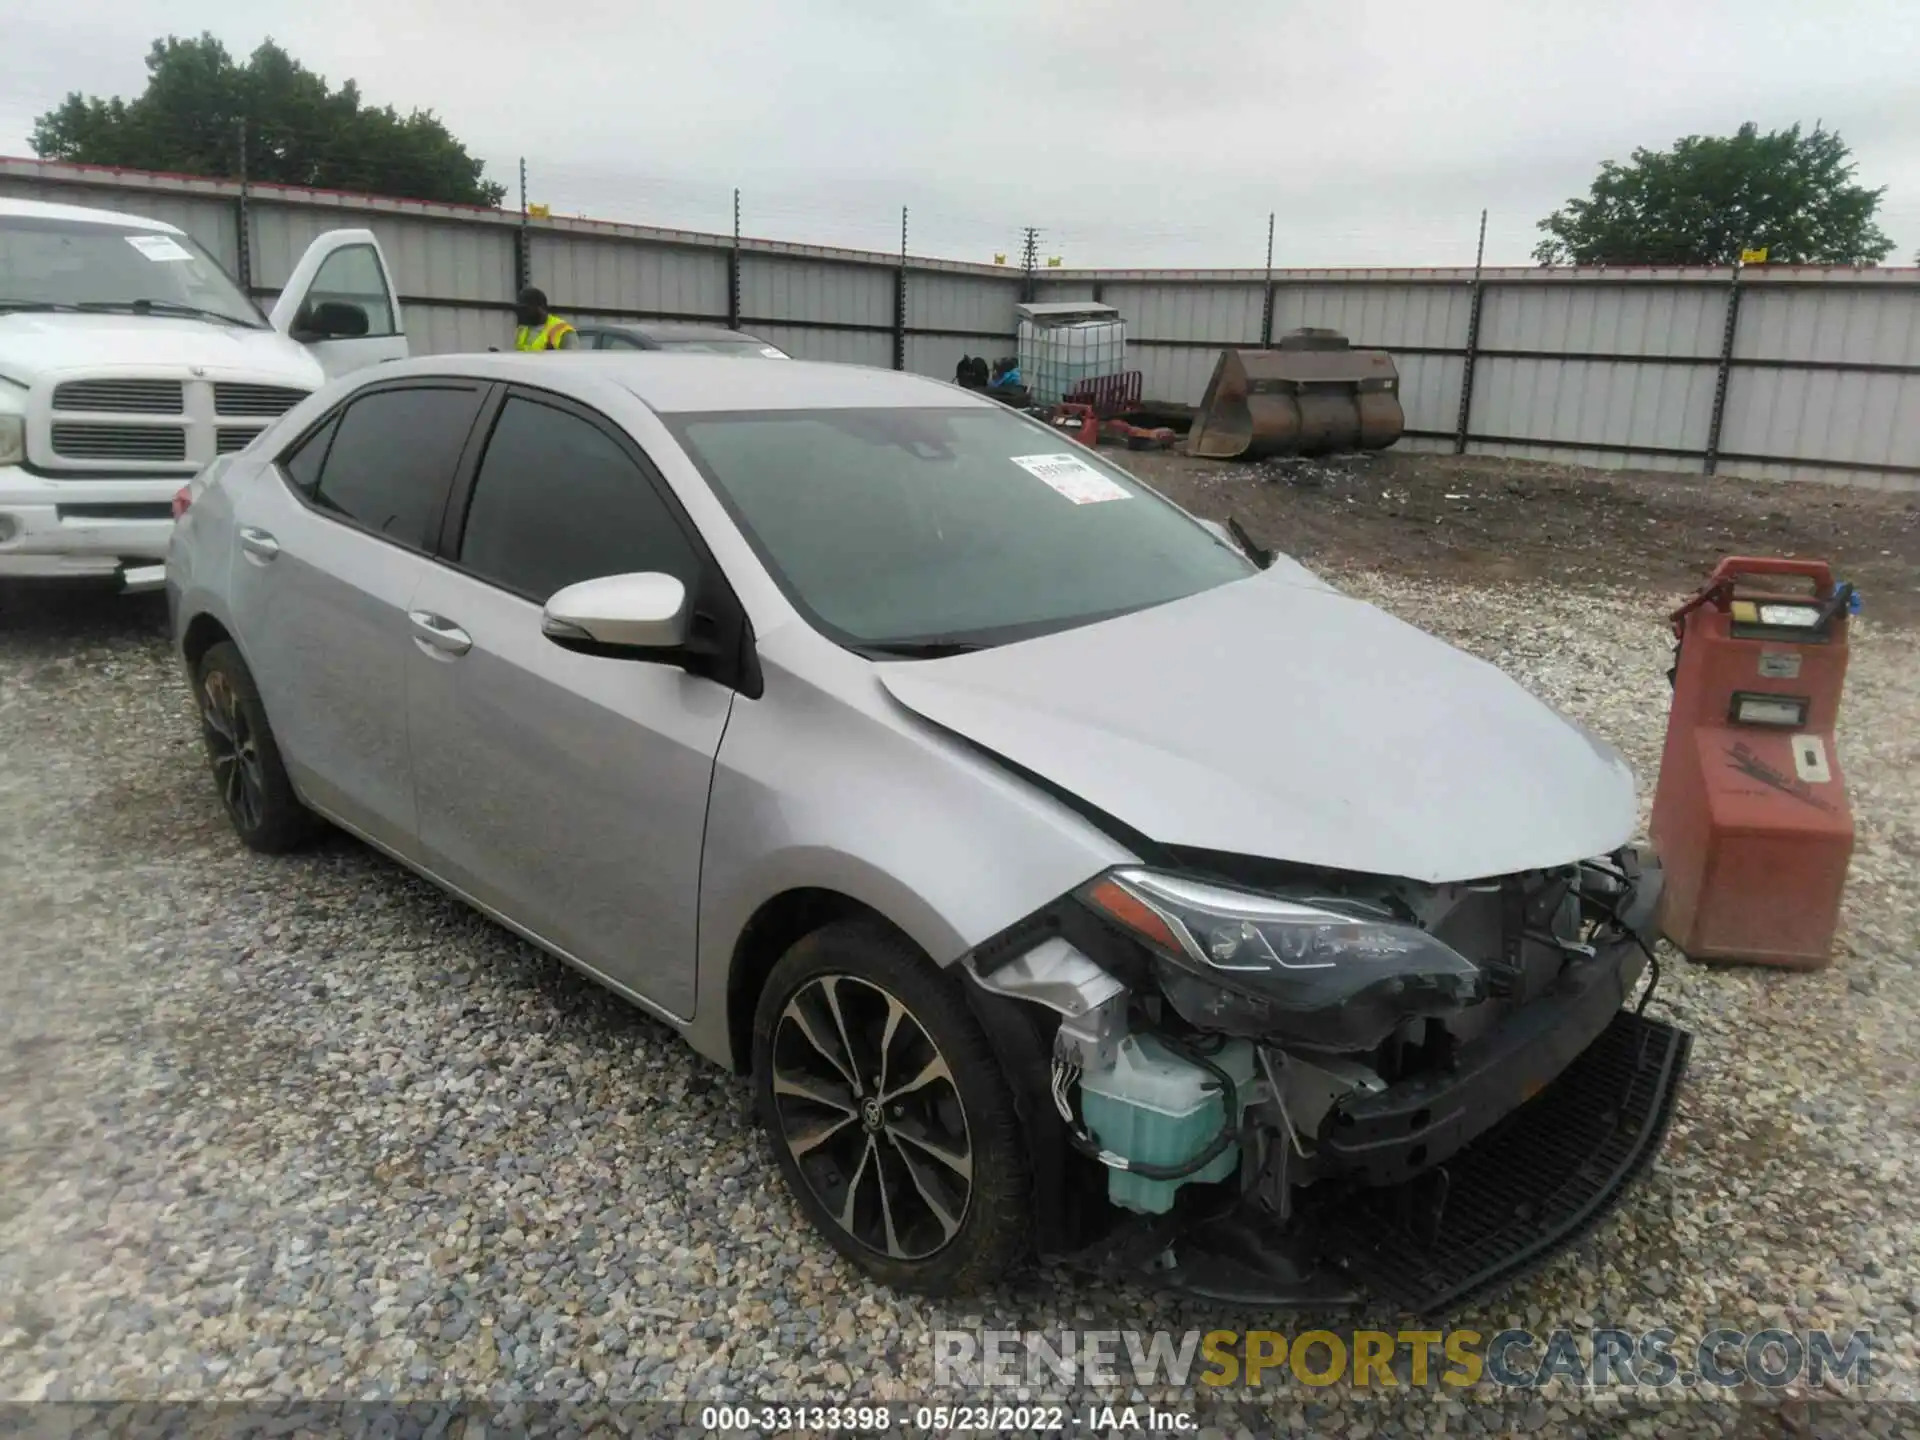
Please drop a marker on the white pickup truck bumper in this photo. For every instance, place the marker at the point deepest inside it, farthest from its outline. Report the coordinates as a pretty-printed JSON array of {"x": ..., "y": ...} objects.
[{"x": 79, "y": 529}]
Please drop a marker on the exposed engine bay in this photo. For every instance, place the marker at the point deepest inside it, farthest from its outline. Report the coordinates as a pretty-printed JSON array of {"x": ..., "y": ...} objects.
[{"x": 1235, "y": 1044}]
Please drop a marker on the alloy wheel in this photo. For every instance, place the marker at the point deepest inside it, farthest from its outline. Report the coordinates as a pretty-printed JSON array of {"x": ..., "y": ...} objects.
[
  {"x": 870, "y": 1113},
  {"x": 235, "y": 751}
]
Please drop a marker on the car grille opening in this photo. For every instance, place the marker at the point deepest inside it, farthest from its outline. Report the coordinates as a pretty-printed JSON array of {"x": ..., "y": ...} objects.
[
  {"x": 121, "y": 397},
  {"x": 119, "y": 442},
  {"x": 263, "y": 400},
  {"x": 231, "y": 438},
  {"x": 1540, "y": 1178}
]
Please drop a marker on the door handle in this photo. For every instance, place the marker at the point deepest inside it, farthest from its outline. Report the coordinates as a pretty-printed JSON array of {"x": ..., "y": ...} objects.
[
  {"x": 258, "y": 544},
  {"x": 437, "y": 634}
]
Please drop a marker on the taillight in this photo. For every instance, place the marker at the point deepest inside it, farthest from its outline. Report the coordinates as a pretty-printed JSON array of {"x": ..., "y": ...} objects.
[{"x": 182, "y": 498}]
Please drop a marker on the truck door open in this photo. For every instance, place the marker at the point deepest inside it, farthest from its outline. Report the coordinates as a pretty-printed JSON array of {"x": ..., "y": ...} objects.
[{"x": 340, "y": 303}]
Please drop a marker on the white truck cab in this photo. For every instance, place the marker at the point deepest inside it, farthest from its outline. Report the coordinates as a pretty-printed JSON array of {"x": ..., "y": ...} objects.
[{"x": 129, "y": 359}]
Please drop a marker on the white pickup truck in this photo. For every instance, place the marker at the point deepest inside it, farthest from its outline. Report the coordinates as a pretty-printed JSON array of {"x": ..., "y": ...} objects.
[{"x": 129, "y": 359}]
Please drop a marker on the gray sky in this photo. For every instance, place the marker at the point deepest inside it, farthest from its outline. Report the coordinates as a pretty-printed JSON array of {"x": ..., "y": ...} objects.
[{"x": 1130, "y": 133}]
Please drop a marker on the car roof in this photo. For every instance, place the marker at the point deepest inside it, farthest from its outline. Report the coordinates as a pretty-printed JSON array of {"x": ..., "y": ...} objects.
[
  {"x": 676, "y": 330},
  {"x": 678, "y": 383},
  {"x": 45, "y": 210}
]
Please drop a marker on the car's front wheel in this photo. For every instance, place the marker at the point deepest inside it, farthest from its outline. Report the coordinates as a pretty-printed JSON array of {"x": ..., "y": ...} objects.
[
  {"x": 888, "y": 1112},
  {"x": 254, "y": 789}
]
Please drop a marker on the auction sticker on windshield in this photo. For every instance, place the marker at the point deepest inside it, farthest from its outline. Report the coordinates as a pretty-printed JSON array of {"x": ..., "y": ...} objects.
[
  {"x": 1072, "y": 477},
  {"x": 159, "y": 247}
]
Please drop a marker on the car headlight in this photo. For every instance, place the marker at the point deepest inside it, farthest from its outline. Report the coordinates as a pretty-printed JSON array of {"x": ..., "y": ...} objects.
[
  {"x": 1262, "y": 966},
  {"x": 13, "y": 439}
]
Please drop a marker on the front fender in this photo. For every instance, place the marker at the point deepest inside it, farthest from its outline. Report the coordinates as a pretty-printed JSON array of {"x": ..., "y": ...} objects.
[{"x": 834, "y": 787}]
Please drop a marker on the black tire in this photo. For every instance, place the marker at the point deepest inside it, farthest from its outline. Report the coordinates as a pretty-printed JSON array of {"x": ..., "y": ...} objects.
[
  {"x": 251, "y": 779},
  {"x": 899, "y": 1227}
]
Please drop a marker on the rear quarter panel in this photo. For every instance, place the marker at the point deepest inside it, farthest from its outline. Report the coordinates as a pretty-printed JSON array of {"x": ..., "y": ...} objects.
[{"x": 200, "y": 553}]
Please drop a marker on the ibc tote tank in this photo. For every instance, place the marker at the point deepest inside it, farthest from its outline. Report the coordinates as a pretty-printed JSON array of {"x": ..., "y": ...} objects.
[{"x": 1064, "y": 342}]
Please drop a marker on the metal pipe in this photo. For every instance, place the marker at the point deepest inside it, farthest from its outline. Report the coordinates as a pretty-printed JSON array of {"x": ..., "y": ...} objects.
[
  {"x": 1711, "y": 461},
  {"x": 522, "y": 240},
  {"x": 244, "y": 250},
  {"x": 1266, "y": 292},
  {"x": 733, "y": 268},
  {"x": 1473, "y": 342},
  {"x": 900, "y": 300}
]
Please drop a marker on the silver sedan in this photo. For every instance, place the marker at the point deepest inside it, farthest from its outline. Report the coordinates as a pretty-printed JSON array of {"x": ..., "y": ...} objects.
[{"x": 1071, "y": 876}]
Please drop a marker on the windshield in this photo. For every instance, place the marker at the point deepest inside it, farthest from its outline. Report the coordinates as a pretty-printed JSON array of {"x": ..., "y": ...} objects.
[
  {"x": 77, "y": 264},
  {"x": 718, "y": 347},
  {"x": 948, "y": 529}
]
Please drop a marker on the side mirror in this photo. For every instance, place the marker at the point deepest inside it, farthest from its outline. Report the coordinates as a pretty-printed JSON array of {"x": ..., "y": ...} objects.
[
  {"x": 329, "y": 320},
  {"x": 646, "y": 611}
]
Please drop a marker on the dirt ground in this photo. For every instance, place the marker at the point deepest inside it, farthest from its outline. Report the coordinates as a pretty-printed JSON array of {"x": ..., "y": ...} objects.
[{"x": 1474, "y": 517}]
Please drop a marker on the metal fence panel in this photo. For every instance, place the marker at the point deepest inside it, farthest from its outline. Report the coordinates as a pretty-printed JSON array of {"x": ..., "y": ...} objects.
[
  {"x": 449, "y": 262},
  {"x": 430, "y": 259},
  {"x": 962, "y": 303},
  {"x": 1858, "y": 420},
  {"x": 1610, "y": 320},
  {"x": 1877, "y": 325},
  {"x": 1824, "y": 382},
  {"x": 1377, "y": 316},
  {"x": 1430, "y": 390},
  {"x": 775, "y": 288},
  {"x": 848, "y": 347},
  {"x": 453, "y": 329},
  {"x": 1603, "y": 404},
  {"x": 1175, "y": 373},
  {"x": 1051, "y": 291},
  {"x": 1215, "y": 314},
  {"x": 581, "y": 273}
]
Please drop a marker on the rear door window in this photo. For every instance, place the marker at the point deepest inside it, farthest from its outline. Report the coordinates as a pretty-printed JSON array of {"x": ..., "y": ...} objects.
[
  {"x": 558, "y": 500},
  {"x": 392, "y": 458}
]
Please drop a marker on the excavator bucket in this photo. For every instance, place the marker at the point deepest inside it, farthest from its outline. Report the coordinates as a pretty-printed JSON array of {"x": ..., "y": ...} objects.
[{"x": 1313, "y": 395}]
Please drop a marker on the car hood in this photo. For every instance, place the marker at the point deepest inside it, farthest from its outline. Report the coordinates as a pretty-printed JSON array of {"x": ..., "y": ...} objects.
[
  {"x": 36, "y": 345},
  {"x": 1276, "y": 717}
]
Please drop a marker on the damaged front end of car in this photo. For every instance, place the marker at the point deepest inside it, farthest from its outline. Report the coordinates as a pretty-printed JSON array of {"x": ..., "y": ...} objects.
[{"x": 1267, "y": 1084}]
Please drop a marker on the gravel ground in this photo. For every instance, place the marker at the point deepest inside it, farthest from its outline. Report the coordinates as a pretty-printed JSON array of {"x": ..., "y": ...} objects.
[
  {"x": 1480, "y": 519},
  {"x": 305, "y": 1127}
]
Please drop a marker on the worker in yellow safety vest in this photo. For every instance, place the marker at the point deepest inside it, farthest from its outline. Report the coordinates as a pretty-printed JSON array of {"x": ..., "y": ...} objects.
[{"x": 539, "y": 328}]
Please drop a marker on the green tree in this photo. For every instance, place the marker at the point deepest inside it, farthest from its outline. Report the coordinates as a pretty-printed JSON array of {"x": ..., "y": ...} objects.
[
  {"x": 299, "y": 130},
  {"x": 1710, "y": 197}
]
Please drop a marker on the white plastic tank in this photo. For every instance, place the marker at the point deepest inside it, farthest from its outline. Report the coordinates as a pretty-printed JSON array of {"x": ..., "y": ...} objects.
[{"x": 1063, "y": 342}]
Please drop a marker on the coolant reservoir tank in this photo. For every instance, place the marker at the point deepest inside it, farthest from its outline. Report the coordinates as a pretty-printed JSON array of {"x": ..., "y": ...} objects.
[{"x": 1156, "y": 1108}]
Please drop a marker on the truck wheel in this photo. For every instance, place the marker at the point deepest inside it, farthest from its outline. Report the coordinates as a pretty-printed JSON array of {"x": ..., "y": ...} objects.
[
  {"x": 254, "y": 788},
  {"x": 888, "y": 1113}
]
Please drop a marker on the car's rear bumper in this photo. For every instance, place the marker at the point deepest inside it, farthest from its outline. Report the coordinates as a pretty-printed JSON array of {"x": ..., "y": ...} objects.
[{"x": 79, "y": 529}]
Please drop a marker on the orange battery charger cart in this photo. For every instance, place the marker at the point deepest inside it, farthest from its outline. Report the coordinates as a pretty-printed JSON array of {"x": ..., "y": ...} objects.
[{"x": 1750, "y": 818}]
